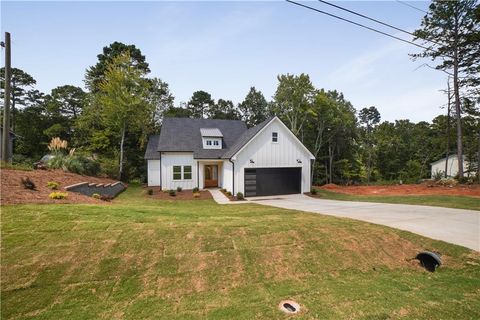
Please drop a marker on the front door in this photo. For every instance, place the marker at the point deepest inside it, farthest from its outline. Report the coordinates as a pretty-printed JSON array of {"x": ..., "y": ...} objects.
[{"x": 211, "y": 176}]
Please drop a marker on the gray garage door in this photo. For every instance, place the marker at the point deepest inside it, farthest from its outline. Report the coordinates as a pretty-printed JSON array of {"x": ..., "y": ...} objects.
[{"x": 272, "y": 181}]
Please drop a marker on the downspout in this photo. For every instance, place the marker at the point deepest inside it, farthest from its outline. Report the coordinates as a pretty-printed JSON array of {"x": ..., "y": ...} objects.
[
  {"x": 160, "y": 162},
  {"x": 198, "y": 175},
  {"x": 233, "y": 175}
]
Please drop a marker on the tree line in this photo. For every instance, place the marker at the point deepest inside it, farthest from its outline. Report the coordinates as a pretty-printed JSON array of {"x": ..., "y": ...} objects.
[{"x": 123, "y": 105}]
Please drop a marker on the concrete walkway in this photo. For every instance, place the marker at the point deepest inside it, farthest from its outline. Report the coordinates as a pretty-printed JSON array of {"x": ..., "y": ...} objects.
[
  {"x": 456, "y": 226},
  {"x": 220, "y": 198}
]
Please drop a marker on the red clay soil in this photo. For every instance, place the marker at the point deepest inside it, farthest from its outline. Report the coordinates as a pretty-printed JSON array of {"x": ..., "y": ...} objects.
[
  {"x": 13, "y": 192},
  {"x": 406, "y": 189},
  {"x": 182, "y": 195}
]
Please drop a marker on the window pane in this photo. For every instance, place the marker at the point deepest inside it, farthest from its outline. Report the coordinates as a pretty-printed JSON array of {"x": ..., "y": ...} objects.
[
  {"x": 177, "y": 172},
  {"x": 209, "y": 142},
  {"x": 177, "y": 176},
  {"x": 177, "y": 169},
  {"x": 187, "y": 176},
  {"x": 215, "y": 142},
  {"x": 274, "y": 136}
]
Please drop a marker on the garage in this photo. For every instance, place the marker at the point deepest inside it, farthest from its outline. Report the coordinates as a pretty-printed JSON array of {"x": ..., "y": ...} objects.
[{"x": 272, "y": 181}]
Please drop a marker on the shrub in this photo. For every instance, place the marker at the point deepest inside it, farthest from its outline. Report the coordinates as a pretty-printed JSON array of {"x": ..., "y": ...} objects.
[
  {"x": 53, "y": 185},
  {"x": 313, "y": 191},
  {"x": 196, "y": 195},
  {"x": 228, "y": 193},
  {"x": 150, "y": 192},
  {"x": 172, "y": 193},
  {"x": 28, "y": 184},
  {"x": 438, "y": 175},
  {"x": 179, "y": 189},
  {"x": 166, "y": 191},
  {"x": 75, "y": 163},
  {"x": 463, "y": 180},
  {"x": 195, "y": 190},
  {"x": 223, "y": 190},
  {"x": 96, "y": 196},
  {"x": 240, "y": 196},
  {"x": 58, "y": 195}
]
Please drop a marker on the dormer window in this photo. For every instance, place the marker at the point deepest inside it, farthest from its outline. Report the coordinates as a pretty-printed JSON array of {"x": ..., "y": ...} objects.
[
  {"x": 211, "y": 138},
  {"x": 274, "y": 137}
]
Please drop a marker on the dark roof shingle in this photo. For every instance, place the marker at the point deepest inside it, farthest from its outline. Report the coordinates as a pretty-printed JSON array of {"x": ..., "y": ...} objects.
[
  {"x": 152, "y": 153},
  {"x": 183, "y": 134}
]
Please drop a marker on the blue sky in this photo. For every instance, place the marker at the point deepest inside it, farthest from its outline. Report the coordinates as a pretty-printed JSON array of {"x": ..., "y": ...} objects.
[{"x": 225, "y": 47}]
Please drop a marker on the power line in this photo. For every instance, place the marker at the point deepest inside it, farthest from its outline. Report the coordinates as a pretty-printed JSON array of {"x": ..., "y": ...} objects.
[
  {"x": 372, "y": 19},
  {"x": 411, "y": 6},
  {"x": 359, "y": 25}
]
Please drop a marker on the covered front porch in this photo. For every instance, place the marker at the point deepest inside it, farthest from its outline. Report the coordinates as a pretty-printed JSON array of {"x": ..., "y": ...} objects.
[{"x": 210, "y": 173}]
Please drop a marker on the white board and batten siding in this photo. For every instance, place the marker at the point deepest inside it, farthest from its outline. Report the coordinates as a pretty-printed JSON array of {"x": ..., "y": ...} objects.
[
  {"x": 153, "y": 174},
  {"x": 170, "y": 159},
  {"x": 267, "y": 154}
]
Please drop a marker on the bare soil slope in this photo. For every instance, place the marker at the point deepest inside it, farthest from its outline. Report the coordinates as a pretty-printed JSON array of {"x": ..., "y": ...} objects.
[
  {"x": 13, "y": 192},
  {"x": 406, "y": 189}
]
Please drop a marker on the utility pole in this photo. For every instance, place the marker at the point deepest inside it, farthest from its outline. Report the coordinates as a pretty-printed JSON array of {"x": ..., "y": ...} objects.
[{"x": 6, "y": 107}]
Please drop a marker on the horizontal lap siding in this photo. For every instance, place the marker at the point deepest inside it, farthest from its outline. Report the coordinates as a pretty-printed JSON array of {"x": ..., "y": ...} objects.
[
  {"x": 177, "y": 159},
  {"x": 267, "y": 154}
]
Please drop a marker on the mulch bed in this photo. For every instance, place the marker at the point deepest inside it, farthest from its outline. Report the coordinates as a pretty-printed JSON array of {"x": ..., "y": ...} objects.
[
  {"x": 13, "y": 191},
  {"x": 406, "y": 189},
  {"x": 182, "y": 195},
  {"x": 231, "y": 197}
]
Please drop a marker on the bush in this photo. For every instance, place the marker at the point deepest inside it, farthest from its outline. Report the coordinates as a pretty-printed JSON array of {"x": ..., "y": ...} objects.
[
  {"x": 196, "y": 195},
  {"x": 53, "y": 185},
  {"x": 96, "y": 196},
  {"x": 58, "y": 195},
  {"x": 438, "y": 175},
  {"x": 172, "y": 193},
  {"x": 179, "y": 189},
  {"x": 28, "y": 184},
  {"x": 195, "y": 190},
  {"x": 166, "y": 191},
  {"x": 223, "y": 190},
  {"x": 75, "y": 163},
  {"x": 240, "y": 196},
  {"x": 313, "y": 191},
  {"x": 228, "y": 193},
  {"x": 464, "y": 180},
  {"x": 150, "y": 192}
]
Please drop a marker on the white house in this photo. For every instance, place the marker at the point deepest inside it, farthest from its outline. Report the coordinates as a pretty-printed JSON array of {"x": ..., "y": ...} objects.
[
  {"x": 452, "y": 166},
  {"x": 264, "y": 160}
]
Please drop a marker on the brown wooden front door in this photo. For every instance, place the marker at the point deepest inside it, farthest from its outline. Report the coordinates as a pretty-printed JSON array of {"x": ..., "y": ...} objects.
[{"x": 211, "y": 176}]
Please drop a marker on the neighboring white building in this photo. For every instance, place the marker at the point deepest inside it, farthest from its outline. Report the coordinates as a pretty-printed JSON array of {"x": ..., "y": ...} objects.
[
  {"x": 452, "y": 166},
  {"x": 264, "y": 160}
]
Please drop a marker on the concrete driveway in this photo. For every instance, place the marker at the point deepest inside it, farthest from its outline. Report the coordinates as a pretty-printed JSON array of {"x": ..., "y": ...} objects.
[{"x": 456, "y": 226}]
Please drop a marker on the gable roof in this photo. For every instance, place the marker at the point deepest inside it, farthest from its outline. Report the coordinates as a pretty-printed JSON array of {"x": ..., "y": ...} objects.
[
  {"x": 183, "y": 134},
  {"x": 245, "y": 138},
  {"x": 151, "y": 153}
]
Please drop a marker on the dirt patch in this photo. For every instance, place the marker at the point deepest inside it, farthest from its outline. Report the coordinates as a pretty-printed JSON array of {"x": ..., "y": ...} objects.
[
  {"x": 182, "y": 195},
  {"x": 230, "y": 196},
  {"x": 406, "y": 189},
  {"x": 13, "y": 192}
]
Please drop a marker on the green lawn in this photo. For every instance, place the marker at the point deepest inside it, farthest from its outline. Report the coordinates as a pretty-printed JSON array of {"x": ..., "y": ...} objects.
[
  {"x": 458, "y": 202},
  {"x": 141, "y": 258}
]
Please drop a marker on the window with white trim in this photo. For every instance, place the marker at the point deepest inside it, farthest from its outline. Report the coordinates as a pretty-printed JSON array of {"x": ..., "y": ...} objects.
[
  {"x": 274, "y": 136},
  {"x": 209, "y": 142},
  {"x": 215, "y": 142},
  {"x": 177, "y": 172},
  {"x": 182, "y": 171},
  {"x": 187, "y": 172}
]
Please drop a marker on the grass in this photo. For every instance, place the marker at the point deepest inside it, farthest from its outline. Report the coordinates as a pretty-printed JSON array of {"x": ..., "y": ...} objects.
[
  {"x": 141, "y": 258},
  {"x": 458, "y": 202},
  {"x": 11, "y": 166}
]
